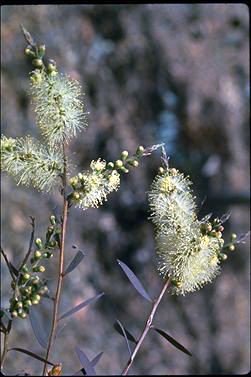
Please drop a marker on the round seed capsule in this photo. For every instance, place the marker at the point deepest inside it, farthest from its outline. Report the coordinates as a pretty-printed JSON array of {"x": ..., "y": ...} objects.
[
  {"x": 161, "y": 170},
  {"x": 26, "y": 276}
]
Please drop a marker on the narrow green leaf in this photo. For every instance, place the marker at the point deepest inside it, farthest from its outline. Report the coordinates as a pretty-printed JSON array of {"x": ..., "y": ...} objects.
[
  {"x": 32, "y": 354},
  {"x": 134, "y": 280},
  {"x": 80, "y": 306},
  {"x": 172, "y": 340}
]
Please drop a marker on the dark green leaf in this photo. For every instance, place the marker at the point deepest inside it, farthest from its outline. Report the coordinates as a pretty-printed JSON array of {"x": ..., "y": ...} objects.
[
  {"x": 75, "y": 262},
  {"x": 32, "y": 354},
  {"x": 80, "y": 306},
  {"x": 38, "y": 329},
  {"x": 128, "y": 334},
  {"x": 172, "y": 341},
  {"x": 134, "y": 280},
  {"x": 85, "y": 362},
  {"x": 119, "y": 324}
]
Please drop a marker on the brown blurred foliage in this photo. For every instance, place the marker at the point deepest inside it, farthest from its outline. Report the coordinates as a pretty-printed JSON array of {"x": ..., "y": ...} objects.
[{"x": 174, "y": 73}]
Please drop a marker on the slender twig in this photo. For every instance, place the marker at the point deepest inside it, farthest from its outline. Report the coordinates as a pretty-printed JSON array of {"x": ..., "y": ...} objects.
[
  {"x": 5, "y": 343},
  {"x": 8, "y": 264},
  {"x": 31, "y": 243},
  {"x": 147, "y": 326},
  {"x": 61, "y": 267}
]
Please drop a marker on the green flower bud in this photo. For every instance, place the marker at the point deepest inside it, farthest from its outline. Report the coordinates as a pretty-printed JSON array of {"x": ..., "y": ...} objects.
[
  {"x": 39, "y": 243},
  {"x": 14, "y": 314},
  {"x": 43, "y": 290},
  {"x": 41, "y": 269},
  {"x": 135, "y": 163},
  {"x": 76, "y": 195},
  {"x": 124, "y": 155},
  {"x": 231, "y": 247},
  {"x": 25, "y": 268},
  {"x": 13, "y": 284},
  {"x": 41, "y": 50},
  {"x": 50, "y": 229},
  {"x": 161, "y": 170},
  {"x": 37, "y": 254},
  {"x": 124, "y": 170},
  {"x": 140, "y": 149},
  {"x": 51, "y": 68},
  {"x": 37, "y": 62},
  {"x": 26, "y": 276},
  {"x": 36, "y": 299},
  {"x": 47, "y": 254},
  {"x": 35, "y": 279},
  {"x": 23, "y": 315},
  {"x": 28, "y": 52},
  {"x": 52, "y": 219},
  {"x": 19, "y": 304},
  {"x": 233, "y": 236},
  {"x": 119, "y": 164},
  {"x": 27, "y": 303},
  {"x": 223, "y": 256},
  {"x": 110, "y": 165},
  {"x": 28, "y": 290}
]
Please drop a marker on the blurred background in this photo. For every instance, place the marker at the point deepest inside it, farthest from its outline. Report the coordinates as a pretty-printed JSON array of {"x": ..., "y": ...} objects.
[{"x": 174, "y": 73}]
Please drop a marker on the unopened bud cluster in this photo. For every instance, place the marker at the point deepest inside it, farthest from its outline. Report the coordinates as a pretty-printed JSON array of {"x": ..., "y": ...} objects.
[
  {"x": 189, "y": 250},
  {"x": 29, "y": 286}
]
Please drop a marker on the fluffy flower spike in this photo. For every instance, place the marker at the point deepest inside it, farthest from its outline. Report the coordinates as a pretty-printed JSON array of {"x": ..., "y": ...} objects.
[
  {"x": 31, "y": 163},
  {"x": 58, "y": 108},
  {"x": 188, "y": 249}
]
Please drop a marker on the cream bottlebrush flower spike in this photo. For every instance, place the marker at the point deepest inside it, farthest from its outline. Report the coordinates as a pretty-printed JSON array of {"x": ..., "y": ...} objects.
[
  {"x": 188, "y": 249},
  {"x": 31, "y": 163},
  {"x": 57, "y": 103}
]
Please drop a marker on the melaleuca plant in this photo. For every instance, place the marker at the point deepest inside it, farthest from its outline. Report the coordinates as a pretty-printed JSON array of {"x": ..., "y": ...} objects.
[
  {"x": 43, "y": 164},
  {"x": 189, "y": 250}
]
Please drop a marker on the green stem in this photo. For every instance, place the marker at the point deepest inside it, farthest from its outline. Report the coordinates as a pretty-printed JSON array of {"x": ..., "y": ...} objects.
[
  {"x": 5, "y": 344},
  {"x": 61, "y": 269},
  {"x": 147, "y": 326}
]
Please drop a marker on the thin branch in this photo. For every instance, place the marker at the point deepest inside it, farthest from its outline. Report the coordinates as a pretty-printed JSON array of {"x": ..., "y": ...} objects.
[
  {"x": 61, "y": 267},
  {"x": 5, "y": 343},
  {"x": 8, "y": 265},
  {"x": 147, "y": 326},
  {"x": 31, "y": 243}
]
